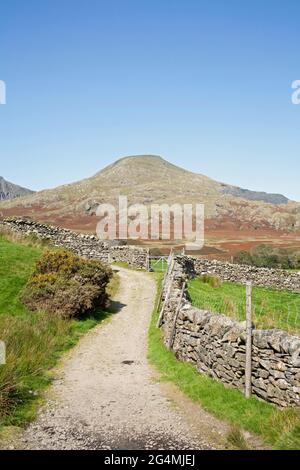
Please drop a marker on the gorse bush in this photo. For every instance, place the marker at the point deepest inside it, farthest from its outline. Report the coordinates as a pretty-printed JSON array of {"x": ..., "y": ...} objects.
[
  {"x": 66, "y": 284},
  {"x": 62, "y": 262}
]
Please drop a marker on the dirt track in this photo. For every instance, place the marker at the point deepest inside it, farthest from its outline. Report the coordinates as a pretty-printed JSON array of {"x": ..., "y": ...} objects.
[{"x": 106, "y": 395}]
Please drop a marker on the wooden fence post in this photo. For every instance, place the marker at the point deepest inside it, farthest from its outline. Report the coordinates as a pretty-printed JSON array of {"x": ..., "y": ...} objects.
[
  {"x": 148, "y": 260},
  {"x": 248, "y": 366},
  {"x": 173, "y": 331},
  {"x": 159, "y": 321},
  {"x": 168, "y": 272}
]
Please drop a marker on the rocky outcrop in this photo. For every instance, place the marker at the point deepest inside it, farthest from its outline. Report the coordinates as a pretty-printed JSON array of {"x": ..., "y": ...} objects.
[{"x": 255, "y": 195}]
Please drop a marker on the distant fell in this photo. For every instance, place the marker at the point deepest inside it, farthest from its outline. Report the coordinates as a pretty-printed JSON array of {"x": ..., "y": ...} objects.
[
  {"x": 11, "y": 191},
  {"x": 150, "y": 179}
]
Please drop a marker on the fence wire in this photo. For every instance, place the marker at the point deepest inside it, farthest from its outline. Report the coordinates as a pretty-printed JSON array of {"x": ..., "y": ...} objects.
[
  {"x": 158, "y": 264},
  {"x": 270, "y": 308}
]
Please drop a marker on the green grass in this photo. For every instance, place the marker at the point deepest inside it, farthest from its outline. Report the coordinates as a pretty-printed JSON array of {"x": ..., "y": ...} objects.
[
  {"x": 158, "y": 266},
  {"x": 124, "y": 264},
  {"x": 271, "y": 308},
  {"x": 16, "y": 265},
  {"x": 278, "y": 428},
  {"x": 34, "y": 341},
  {"x": 236, "y": 439}
]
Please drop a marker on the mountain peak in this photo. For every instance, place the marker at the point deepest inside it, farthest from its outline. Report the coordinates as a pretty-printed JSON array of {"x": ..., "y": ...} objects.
[
  {"x": 150, "y": 179},
  {"x": 137, "y": 160},
  {"x": 146, "y": 165},
  {"x": 148, "y": 157},
  {"x": 11, "y": 191}
]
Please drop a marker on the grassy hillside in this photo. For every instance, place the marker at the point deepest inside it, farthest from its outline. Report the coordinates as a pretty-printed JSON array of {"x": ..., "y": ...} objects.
[{"x": 34, "y": 341}]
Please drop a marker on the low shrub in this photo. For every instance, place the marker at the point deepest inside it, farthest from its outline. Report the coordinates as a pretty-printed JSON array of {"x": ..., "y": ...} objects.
[
  {"x": 236, "y": 439},
  {"x": 243, "y": 257},
  {"x": 269, "y": 257},
  {"x": 66, "y": 284}
]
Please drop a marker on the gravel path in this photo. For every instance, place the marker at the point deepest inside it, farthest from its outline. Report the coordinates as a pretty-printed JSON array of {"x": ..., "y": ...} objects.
[{"x": 106, "y": 396}]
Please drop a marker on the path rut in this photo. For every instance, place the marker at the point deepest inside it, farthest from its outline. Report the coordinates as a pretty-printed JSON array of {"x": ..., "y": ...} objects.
[{"x": 106, "y": 395}]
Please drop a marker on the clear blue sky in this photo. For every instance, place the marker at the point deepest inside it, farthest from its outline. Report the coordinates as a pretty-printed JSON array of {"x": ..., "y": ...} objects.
[{"x": 206, "y": 84}]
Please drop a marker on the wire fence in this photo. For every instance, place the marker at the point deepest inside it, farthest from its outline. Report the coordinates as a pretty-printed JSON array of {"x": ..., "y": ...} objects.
[{"x": 270, "y": 308}]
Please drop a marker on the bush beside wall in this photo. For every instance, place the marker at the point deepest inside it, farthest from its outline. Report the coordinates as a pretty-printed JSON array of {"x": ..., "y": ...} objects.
[{"x": 67, "y": 285}]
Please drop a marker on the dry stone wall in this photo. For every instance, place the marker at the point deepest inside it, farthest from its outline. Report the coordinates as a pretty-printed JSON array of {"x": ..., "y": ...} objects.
[
  {"x": 264, "y": 277},
  {"x": 84, "y": 245},
  {"x": 216, "y": 345}
]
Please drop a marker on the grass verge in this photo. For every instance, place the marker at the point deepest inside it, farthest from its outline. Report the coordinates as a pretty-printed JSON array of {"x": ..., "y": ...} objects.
[
  {"x": 159, "y": 266},
  {"x": 278, "y": 428}
]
